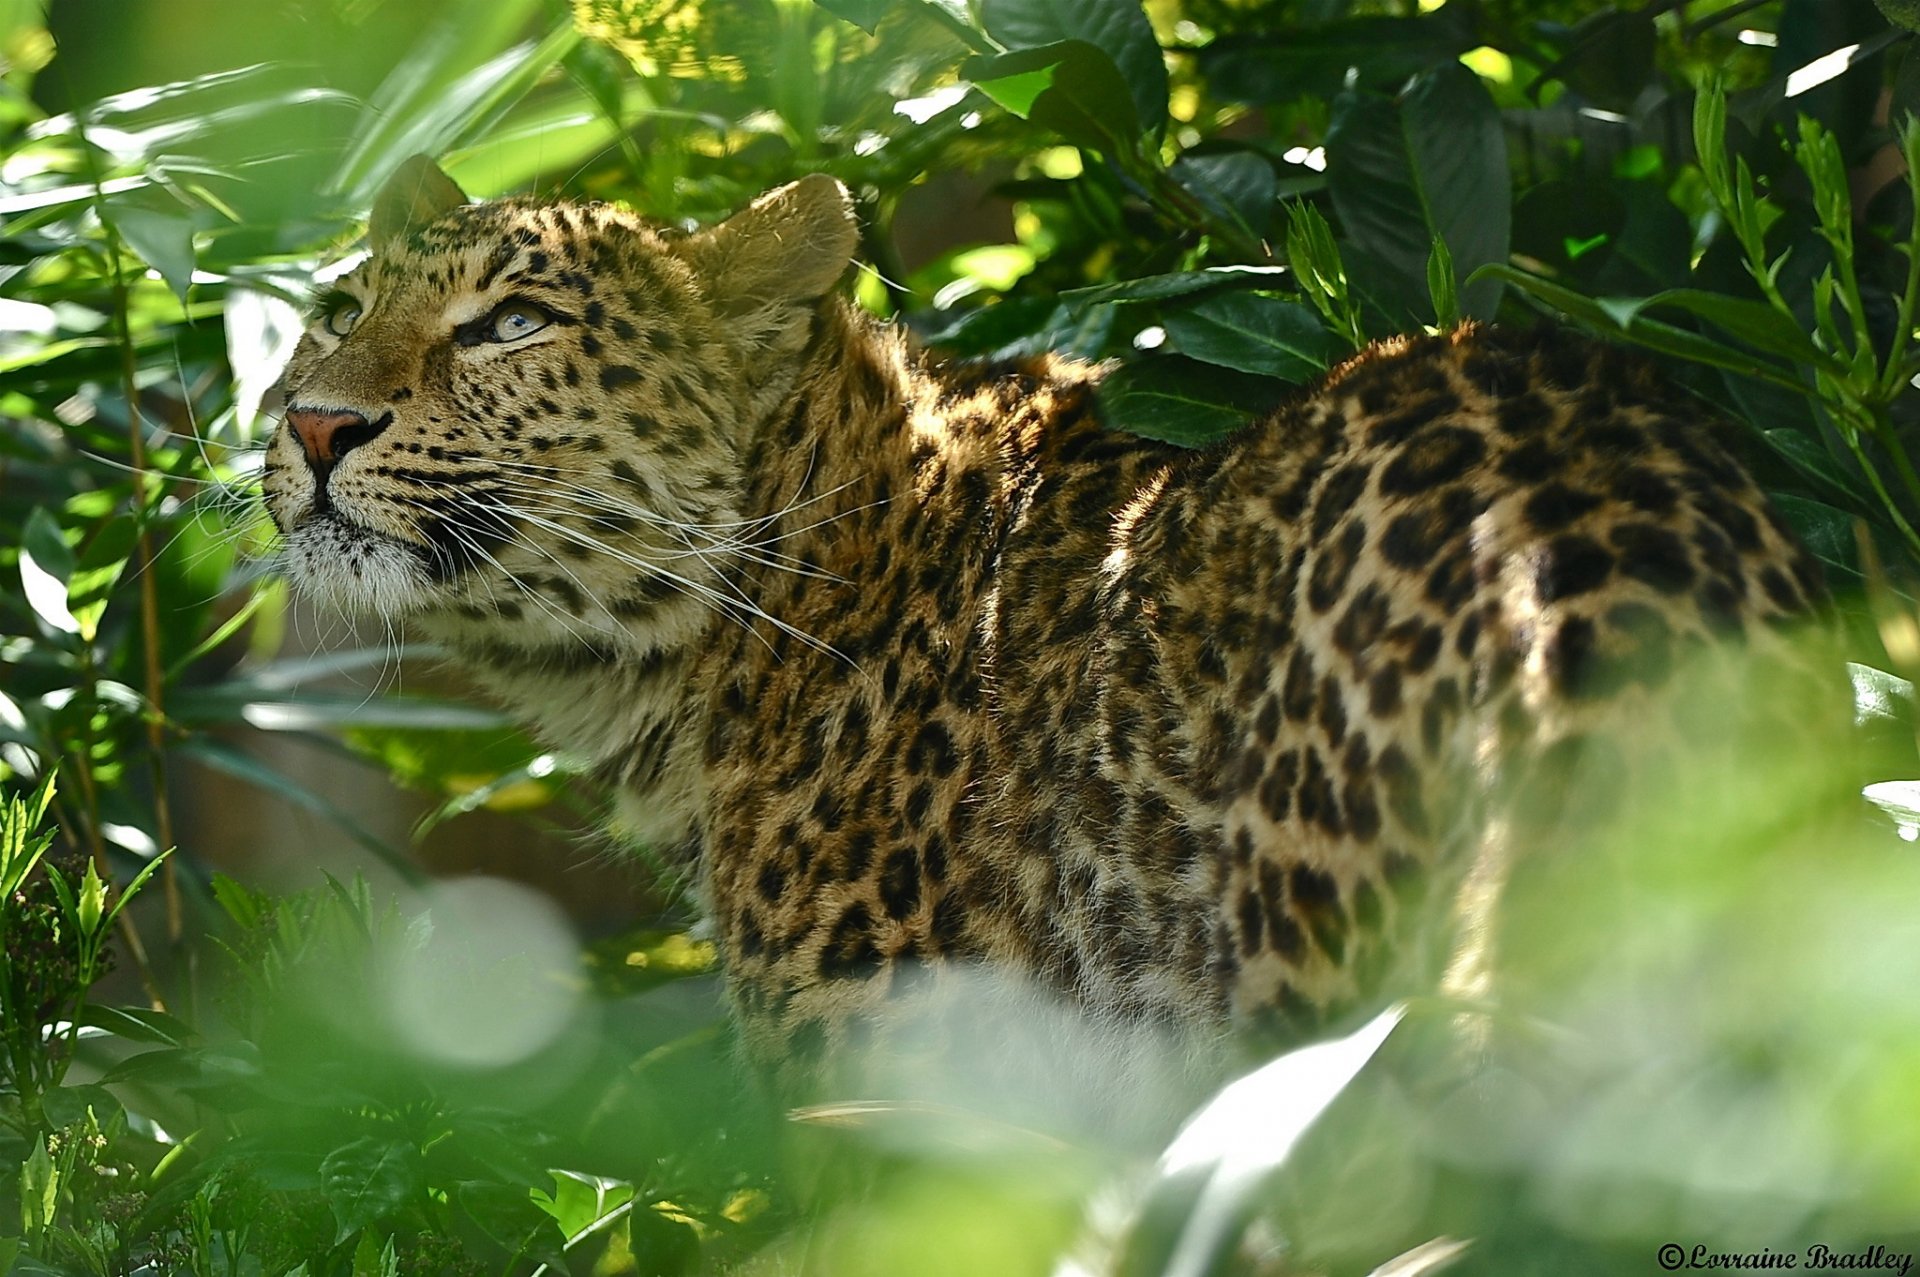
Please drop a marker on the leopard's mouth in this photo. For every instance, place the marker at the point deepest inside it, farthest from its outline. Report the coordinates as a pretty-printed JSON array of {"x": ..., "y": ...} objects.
[{"x": 345, "y": 565}]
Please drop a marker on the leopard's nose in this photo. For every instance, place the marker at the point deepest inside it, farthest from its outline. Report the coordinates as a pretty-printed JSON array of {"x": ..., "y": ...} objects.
[{"x": 328, "y": 434}]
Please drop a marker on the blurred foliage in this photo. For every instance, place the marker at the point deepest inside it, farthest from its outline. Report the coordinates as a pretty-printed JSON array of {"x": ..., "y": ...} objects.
[{"x": 1709, "y": 1041}]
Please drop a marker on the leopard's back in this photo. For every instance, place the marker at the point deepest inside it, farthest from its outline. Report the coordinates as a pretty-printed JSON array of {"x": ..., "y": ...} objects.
[{"x": 1217, "y": 734}]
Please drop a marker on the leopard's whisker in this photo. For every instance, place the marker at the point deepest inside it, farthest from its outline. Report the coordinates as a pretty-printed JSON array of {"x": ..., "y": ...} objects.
[
  {"x": 470, "y": 540},
  {"x": 746, "y": 551},
  {"x": 742, "y": 605}
]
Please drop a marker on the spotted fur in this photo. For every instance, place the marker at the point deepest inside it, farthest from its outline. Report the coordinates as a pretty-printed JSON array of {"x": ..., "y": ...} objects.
[{"x": 922, "y": 662}]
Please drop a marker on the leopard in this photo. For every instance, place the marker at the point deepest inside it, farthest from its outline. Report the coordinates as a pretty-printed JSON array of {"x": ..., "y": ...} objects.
[{"x": 921, "y": 665}]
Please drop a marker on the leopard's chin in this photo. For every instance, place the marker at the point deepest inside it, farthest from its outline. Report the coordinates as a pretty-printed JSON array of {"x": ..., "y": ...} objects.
[{"x": 354, "y": 570}]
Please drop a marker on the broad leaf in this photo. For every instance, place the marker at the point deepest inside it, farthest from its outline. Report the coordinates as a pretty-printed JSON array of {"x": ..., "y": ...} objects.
[
  {"x": 1253, "y": 334},
  {"x": 1176, "y": 284},
  {"x": 1071, "y": 87},
  {"x": 1238, "y": 187},
  {"x": 1183, "y": 401},
  {"x": 46, "y": 565},
  {"x": 1118, "y": 28},
  {"x": 865, "y": 14},
  {"x": 1432, "y": 163},
  {"x": 368, "y": 1180}
]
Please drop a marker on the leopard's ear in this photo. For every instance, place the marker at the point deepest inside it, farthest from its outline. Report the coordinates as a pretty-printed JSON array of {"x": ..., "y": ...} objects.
[
  {"x": 791, "y": 245},
  {"x": 417, "y": 193}
]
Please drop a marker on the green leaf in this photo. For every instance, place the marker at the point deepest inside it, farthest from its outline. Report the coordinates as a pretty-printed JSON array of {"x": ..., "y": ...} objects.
[
  {"x": 1254, "y": 334},
  {"x": 1209, "y": 1178},
  {"x": 578, "y": 1203},
  {"x": 1238, "y": 187},
  {"x": 1176, "y": 284},
  {"x": 39, "y": 1191},
  {"x": 102, "y": 561},
  {"x": 1622, "y": 317},
  {"x": 1900, "y": 800},
  {"x": 449, "y": 84},
  {"x": 370, "y": 1179},
  {"x": 1071, "y": 87},
  {"x": 1118, "y": 29},
  {"x": 223, "y": 757},
  {"x": 504, "y": 1222},
  {"x": 1756, "y": 323},
  {"x": 1880, "y": 695},
  {"x": 1432, "y": 163},
  {"x": 1443, "y": 287},
  {"x": 161, "y": 234},
  {"x": 46, "y": 565},
  {"x": 1316, "y": 60},
  {"x": 865, "y": 14},
  {"x": 1810, "y": 459},
  {"x": 1901, "y": 13},
  {"x": 279, "y": 711},
  {"x": 68, "y": 1105},
  {"x": 1184, "y": 401},
  {"x": 1826, "y": 532},
  {"x": 137, "y": 1024},
  {"x": 375, "y": 1257}
]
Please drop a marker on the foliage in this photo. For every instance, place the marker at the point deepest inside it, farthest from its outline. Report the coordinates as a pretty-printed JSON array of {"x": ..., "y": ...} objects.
[{"x": 1224, "y": 198}]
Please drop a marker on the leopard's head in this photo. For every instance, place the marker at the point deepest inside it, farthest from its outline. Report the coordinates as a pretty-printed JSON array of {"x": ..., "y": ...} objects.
[{"x": 529, "y": 416}]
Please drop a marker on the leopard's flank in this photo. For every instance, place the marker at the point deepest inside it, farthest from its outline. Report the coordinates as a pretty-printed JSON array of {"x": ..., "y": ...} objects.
[{"x": 923, "y": 664}]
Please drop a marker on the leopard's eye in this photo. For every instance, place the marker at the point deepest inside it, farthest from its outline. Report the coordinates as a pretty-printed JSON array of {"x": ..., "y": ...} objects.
[
  {"x": 342, "y": 316},
  {"x": 511, "y": 321}
]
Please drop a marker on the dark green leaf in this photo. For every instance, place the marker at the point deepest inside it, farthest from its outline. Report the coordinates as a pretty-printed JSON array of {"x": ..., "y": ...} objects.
[
  {"x": 1071, "y": 87},
  {"x": 1609, "y": 57},
  {"x": 1756, "y": 323},
  {"x": 865, "y": 14},
  {"x": 1825, "y": 531},
  {"x": 1379, "y": 52},
  {"x": 503, "y": 1222},
  {"x": 1237, "y": 187},
  {"x": 1184, "y": 401},
  {"x": 1177, "y": 284},
  {"x": 1118, "y": 28},
  {"x": 1622, "y": 317},
  {"x": 1254, "y": 334},
  {"x": 1432, "y": 163},
  {"x": 1812, "y": 460},
  {"x": 139, "y": 1025},
  {"x": 67, "y": 1105},
  {"x": 368, "y": 1180}
]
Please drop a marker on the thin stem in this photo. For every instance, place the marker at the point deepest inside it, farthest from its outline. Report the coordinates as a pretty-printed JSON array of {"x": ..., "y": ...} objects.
[
  {"x": 154, "y": 673},
  {"x": 1893, "y": 378},
  {"x": 1850, "y": 431}
]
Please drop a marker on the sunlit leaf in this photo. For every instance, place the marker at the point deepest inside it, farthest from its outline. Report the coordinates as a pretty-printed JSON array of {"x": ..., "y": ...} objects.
[
  {"x": 101, "y": 562},
  {"x": 1119, "y": 30},
  {"x": 46, "y": 564}
]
